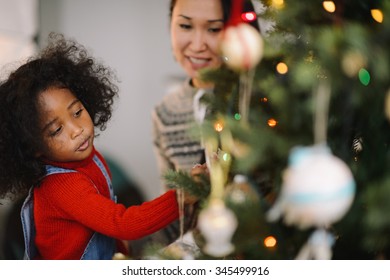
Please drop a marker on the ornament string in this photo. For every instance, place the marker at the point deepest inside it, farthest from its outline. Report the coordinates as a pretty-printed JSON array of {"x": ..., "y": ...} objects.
[
  {"x": 322, "y": 97},
  {"x": 246, "y": 82},
  {"x": 180, "y": 198}
]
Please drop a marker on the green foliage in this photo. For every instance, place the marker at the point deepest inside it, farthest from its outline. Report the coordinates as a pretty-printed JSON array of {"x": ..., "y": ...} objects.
[{"x": 183, "y": 180}]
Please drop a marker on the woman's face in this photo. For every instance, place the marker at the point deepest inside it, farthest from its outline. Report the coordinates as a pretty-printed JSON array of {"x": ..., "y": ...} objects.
[
  {"x": 196, "y": 27},
  {"x": 67, "y": 128}
]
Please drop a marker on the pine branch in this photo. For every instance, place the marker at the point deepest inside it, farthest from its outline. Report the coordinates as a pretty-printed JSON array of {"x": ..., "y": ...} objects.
[{"x": 182, "y": 180}]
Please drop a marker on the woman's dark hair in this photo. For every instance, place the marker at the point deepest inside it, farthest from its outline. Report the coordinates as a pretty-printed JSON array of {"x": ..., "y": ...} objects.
[
  {"x": 62, "y": 64},
  {"x": 226, "y": 7}
]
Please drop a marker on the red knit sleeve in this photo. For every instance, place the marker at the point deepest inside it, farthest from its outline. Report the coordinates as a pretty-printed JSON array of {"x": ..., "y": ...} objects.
[{"x": 78, "y": 200}]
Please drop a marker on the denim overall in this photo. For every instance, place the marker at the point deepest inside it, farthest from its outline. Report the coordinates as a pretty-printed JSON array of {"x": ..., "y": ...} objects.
[{"x": 99, "y": 247}]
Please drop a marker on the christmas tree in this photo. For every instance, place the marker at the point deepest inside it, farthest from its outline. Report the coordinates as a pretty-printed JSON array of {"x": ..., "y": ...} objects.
[{"x": 298, "y": 136}]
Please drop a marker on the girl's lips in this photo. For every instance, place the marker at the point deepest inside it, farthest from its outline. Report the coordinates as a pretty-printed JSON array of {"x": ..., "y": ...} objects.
[{"x": 84, "y": 145}]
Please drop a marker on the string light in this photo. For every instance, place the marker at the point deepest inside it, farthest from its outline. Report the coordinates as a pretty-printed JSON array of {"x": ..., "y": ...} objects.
[
  {"x": 270, "y": 242},
  {"x": 279, "y": 4},
  {"x": 329, "y": 6},
  {"x": 272, "y": 122},
  {"x": 282, "y": 68},
  {"x": 364, "y": 76},
  {"x": 218, "y": 126},
  {"x": 237, "y": 116},
  {"x": 264, "y": 99},
  {"x": 248, "y": 16},
  {"x": 377, "y": 15}
]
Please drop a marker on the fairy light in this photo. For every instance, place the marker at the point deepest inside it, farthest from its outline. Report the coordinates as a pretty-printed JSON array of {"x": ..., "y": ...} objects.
[
  {"x": 237, "y": 116},
  {"x": 329, "y": 6},
  {"x": 270, "y": 241},
  {"x": 218, "y": 126},
  {"x": 282, "y": 68},
  {"x": 377, "y": 15},
  {"x": 364, "y": 76},
  {"x": 226, "y": 157},
  {"x": 264, "y": 99},
  {"x": 272, "y": 122},
  {"x": 248, "y": 16},
  {"x": 279, "y": 4}
]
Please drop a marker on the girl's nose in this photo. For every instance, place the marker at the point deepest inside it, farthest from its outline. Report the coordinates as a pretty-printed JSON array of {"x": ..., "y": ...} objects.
[{"x": 76, "y": 130}]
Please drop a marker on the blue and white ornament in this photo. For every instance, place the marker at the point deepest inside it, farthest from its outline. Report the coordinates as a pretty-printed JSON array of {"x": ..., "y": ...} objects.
[{"x": 318, "y": 189}]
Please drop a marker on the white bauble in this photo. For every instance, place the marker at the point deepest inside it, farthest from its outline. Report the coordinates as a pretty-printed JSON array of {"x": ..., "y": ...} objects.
[
  {"x": 217, "y": 223},
  {"x": 318, "y": 188},
  {"x": 242, "y": 46}
]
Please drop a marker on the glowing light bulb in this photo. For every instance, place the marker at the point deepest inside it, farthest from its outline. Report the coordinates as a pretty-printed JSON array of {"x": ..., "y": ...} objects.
[
  {"x": 218, "y": 126},
  {"x": 282, "y": 68},
  {"x": 279, "y": 4},
  {"x": 329, "y": 6},
  {"x": 270, "y": 241},
  {"x": 377, "y": 15},
  {"x": 272, "y": 122},
  {"x": 237, "y": 116},
  {"x": 248, "y": 16},
  {"x": 364, "y": 76},
  {"x": 264, "y": 99}
]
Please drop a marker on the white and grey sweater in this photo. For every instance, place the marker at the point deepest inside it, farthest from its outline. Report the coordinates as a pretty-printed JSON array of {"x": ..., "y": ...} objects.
[{"x": 173, "y": 119}]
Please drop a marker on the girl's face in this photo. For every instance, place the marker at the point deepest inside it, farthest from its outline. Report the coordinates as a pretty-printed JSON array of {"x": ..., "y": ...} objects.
[
  {"x": 196, "y": 27},
  {"x": 67, "y": 128}
]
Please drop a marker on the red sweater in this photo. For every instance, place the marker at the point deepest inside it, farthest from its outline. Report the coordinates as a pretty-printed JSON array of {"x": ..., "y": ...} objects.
[{"x": 68, "y": 210}]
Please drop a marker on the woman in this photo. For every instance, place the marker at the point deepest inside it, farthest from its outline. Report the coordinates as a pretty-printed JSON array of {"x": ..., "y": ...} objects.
[{"x": 196, "y": 27}]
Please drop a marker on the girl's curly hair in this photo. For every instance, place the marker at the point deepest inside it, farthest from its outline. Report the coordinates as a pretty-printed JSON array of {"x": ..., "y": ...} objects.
[{"x": 64, "y": 64}]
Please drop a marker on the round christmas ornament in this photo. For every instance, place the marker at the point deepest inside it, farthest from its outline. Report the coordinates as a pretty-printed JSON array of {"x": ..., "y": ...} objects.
[
  {"x": 242, "y": 46},
  {"x": 318, "y": 189}
]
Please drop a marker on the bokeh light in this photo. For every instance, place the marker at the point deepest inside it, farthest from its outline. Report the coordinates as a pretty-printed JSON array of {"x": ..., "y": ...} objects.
[
  {"x": 364, "y": 76},
  {"x": 272, "y": 122},
  {"x": 218, "y": 126},
  {"x": 279, "y": 4},
  {"x": 270, "y": 241},
  {"x": 248, "y": 16},
  {"x": 377, "y": 15},
  {"x": 329, "y": 6},
  {"x": 282, "y": 68}
]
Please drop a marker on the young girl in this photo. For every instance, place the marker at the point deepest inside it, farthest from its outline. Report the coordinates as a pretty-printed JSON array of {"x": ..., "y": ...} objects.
[{"x": 50, "y": 107}]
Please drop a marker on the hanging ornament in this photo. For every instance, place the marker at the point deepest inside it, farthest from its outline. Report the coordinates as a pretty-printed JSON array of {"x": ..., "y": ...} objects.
[
  {"x": 318, "y": 189},
  {"x": 217, "y": 225},
  {"x": 241, "y": 45}
]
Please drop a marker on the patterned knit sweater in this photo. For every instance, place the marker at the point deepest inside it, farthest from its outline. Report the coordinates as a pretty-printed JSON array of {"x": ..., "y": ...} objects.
[
  {"x": 173, "y": 122},
  {"x": 68, "y": 209}
]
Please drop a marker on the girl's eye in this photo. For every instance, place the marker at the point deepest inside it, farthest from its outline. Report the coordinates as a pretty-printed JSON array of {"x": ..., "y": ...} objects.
[
  {"x": 56, "y": 132},
  {"x": 185, "y": 26},
  {"x": 78, "y": 113}
]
